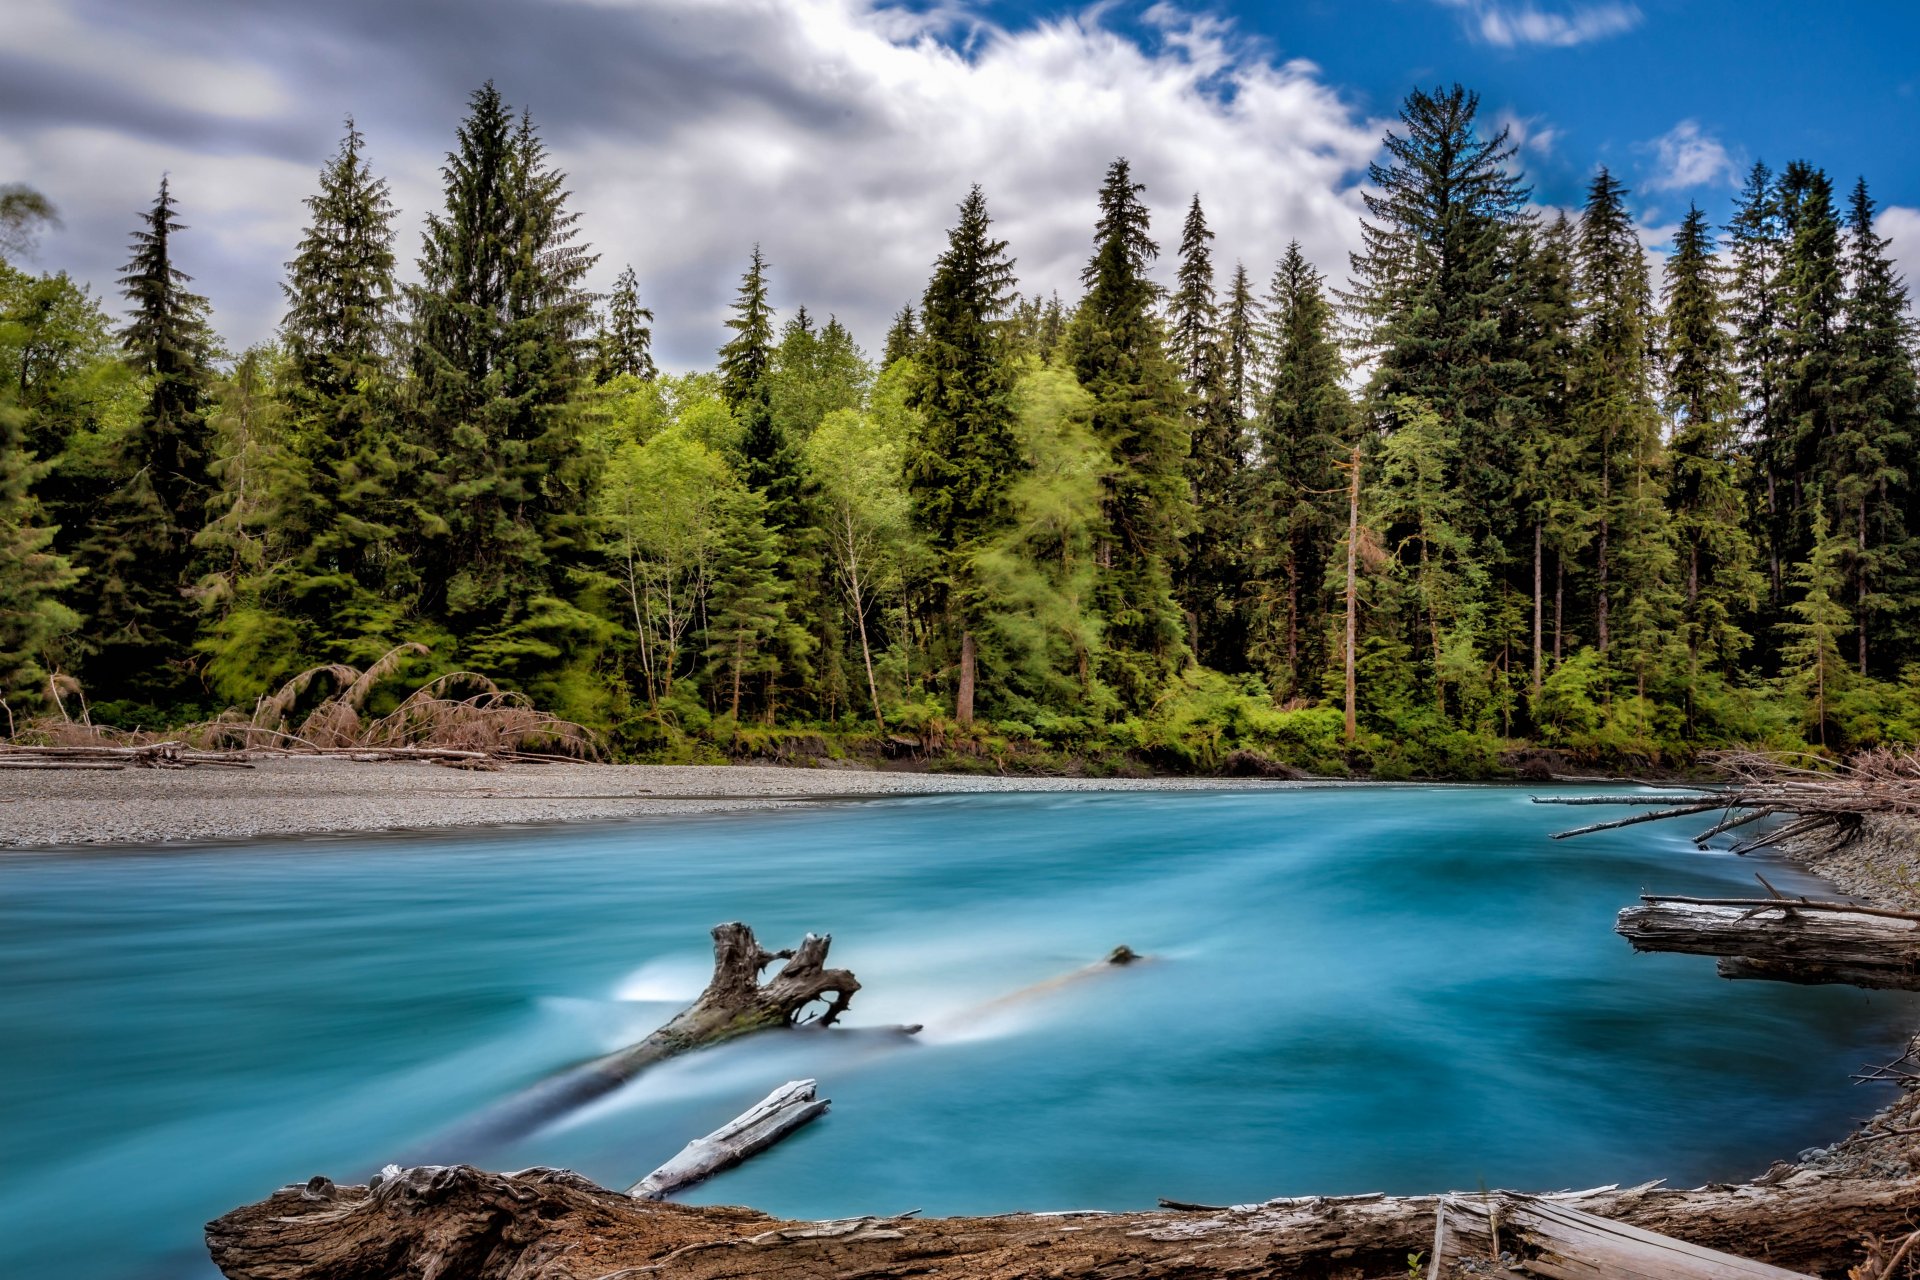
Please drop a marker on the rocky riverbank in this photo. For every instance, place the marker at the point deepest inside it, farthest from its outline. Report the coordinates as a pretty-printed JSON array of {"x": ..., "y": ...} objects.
[{"x": 294, "y": 796}]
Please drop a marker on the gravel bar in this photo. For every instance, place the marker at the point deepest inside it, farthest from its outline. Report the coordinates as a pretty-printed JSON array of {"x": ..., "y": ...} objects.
[{"x": 289, "y": 796}]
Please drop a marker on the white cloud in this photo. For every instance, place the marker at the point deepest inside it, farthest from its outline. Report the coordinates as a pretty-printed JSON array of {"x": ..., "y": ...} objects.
[
  {"x": 1901, "y": 225},
  {"x": 1507, "y": 25},
  {"x": 1685, "y": 157},
  {"x": 1533, "y": 135},
  {"x": 843, "y": 136}
]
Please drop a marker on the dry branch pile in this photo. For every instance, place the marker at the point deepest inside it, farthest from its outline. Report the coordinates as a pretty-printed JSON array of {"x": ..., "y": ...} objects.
[{"x": 461, "y": 719}]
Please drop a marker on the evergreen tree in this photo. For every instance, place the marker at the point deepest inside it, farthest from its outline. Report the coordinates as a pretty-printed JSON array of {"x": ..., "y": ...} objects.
[
  {"x": 501, "y": 340},
  {"x": 1813, "y": 658},
  {"x": 32, "y": 574},
  {"x": 1814, "y": 295},
  {"x": 1872, "y": 454},
  {"x": 748, "y": 629},
  {"x": 625, "y": 345},
  {"x": 338, "y": 507},
  {"x": 964, "y": 456},
  {"x": 1240, "y": 340},
  {"x": 1755, "y": 306},
  {"x": 1117, "y": 349},
  {"x": 1716, "y": 551},
  {"x": 140, "y": 559},
  {"x": 903, "y": 338},
  {"x": 769, "y": 461},
  {"x": 1193, "y": 324},
  {"x": 1306, "y": 429}
]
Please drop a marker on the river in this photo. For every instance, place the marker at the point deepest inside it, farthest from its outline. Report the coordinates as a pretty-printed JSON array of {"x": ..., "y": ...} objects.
[{"x": 1393, "y": 988}]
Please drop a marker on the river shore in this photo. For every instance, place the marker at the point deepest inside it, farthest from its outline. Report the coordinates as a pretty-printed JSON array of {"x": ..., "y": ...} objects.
[{"x": 295, "y": 796}]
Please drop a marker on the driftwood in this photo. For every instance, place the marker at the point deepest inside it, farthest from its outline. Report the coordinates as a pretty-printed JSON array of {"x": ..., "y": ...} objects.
[
  {"x": 150, "y": 755},
  {"x": 544, "y": 1224},
  {"x": 1783, "y": 939},
  {"x": 780, "y": 1113},
  {"x": 736, "y": 1003},
  {"x": 1554, "y": 1239}
]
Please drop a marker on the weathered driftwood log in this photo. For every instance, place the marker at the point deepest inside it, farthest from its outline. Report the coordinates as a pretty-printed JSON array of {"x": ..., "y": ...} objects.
[
  {"x": 736, "y": 1003},
  {"x": 1552, "y": 1238},
  {"x": 780, "y": 1113},
  {"x": 543, "y": 1224},
  {"x": 1784, "y": 939}
]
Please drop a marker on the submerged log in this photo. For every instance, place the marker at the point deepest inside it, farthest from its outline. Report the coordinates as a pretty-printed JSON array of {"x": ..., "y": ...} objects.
[
  {"x": 545, "y": 1223},
  {"x": 780, "y": 1113},
  {"x": 1783, "y": 939},
  {"x": 736, "y": 1003}
]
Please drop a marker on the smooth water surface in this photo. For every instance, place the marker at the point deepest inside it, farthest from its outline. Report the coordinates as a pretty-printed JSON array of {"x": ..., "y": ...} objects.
[{"x": 1356, "y": 989}]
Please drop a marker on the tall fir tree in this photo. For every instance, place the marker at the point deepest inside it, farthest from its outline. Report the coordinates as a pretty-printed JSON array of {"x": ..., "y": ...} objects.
[
  {"x": 1702, "y": 405},
  {"x": 1815, "y": 632},
  {"x": 501, "y": 337},
  {"x": 963, "y": 455},
  {"x": 624, "y": 348},
  {"x": 1306, "y": 430},
  {"x": 1193, "y": 319},
  {"x": 340, "y": 507},
  {"x": 1117, "y": 349},
  {"x": 1874, "y": 452},
  {"x": 769, "y": 461},
  {"x": 140, "y": 556},
  {"x": 1614, "y": 417},
  {"x": 1240, "y": 331},
  {"x": 1756, "y": 243},
  {"x": 1814, "y": 291},
  {"x": 903, "y": 337}
]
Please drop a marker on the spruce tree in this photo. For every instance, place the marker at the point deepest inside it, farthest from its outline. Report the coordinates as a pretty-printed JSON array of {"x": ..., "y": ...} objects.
[
  {"x": 1193, "y": 319},
  {"x": 749, "y": 632},
  {"x": 140, "y": 559},
  {"x": 625, "y": 345},
  {"x": 339, "y": 507},
  {"x": 1306, "y": 430},
  {"x": 1614, "y": 417},
  {"x": 1814, "y": 297},
  {"x": 1755, "y": 307},
  {"x": 1875, "y": 448},
  {"x": 1813, "y": 656},
  {"x": 1117, "y": 349},
  {"x": 501, "y": 322},
  {"x": 770, "y": 462},
  {"x": 32, "y": 574},
  {"x": 963, "y": 456},
  {"x": 1240, "y": 340},
  {"x": 903, "y": 338},
  {"x": 1716, "y": 551}
]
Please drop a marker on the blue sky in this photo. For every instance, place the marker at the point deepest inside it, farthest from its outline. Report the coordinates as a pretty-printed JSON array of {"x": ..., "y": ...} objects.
[{"x": 839, "y": 134}]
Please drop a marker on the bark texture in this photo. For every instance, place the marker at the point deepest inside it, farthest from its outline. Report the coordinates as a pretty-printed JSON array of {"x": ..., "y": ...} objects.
[{"x": 1784, "y": 940}]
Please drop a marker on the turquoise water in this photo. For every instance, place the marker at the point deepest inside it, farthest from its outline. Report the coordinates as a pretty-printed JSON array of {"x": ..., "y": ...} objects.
[{"x": 1388, "y": 988}]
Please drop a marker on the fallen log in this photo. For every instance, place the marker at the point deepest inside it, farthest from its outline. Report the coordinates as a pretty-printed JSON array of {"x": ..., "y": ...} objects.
[
  {"x": 1783, "y": 939},
  {"x": 780, "y": 1113},
  {"x": 1554, "y": 1239},
  {"x": 1655, "y": 816},
  {"x": 461, "y": 1221},
  {"x": 735, "y": 1003}
]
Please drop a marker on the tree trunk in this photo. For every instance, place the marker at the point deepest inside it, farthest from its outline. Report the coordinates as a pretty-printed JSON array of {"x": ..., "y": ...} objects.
[
  {"x": 1559, "y": 604},
  {"x": 963, "y": 697},
  {"x": 780, "y": 1113},
  {"x": 1353, "y": 597},
  {"x": 736, "y": 1003},
  {"x": 1539, "y": 606},
  {"x": 1860, "y": 607},
  {"x": 860, "y": 618},
  {"x": 1784, "y": 940},
  {"x": 460, "y": 1221}
]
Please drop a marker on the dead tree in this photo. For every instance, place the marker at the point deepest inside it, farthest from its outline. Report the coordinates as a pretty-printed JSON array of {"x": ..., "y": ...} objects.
[
  {"x": 1783, "y": 939},
  {"x": 736, "y": 1003}
]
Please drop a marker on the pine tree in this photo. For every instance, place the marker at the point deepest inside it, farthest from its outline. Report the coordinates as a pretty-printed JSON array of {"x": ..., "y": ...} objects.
[
  {"x": 770, "y": 462},
  {"x": 1813, "y": 656},
  {"x": 1716, "y": 551},
  {"x": 964, "y": 457},
  {"x": 903, "y": 338},
  {"x": 1117, "y": 349},
  {"x": 1875, "y": 448},
  {"x": 748, "y": 629},
  {"x": 1306, "y": 430},
  {"x": 747, "y": 357},
  {"x": 625, "y": 344},
  {"x": 1814, "y": 295},
  {"x": 140, "y": 560},
  {"x": 501, "y": 322}
]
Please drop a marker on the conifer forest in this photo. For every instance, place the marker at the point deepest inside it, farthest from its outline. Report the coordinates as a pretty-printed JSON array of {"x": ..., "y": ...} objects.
[{"x": 1509, "y": 481}]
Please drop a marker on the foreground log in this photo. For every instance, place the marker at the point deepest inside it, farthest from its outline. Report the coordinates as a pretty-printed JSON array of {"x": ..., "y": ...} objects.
[
  {"x": 1556, "y": 1240},
  {"x": 1783, "y": 939},
  {"x": 545, "y": 1224},
  {"x": 780, "y": 1113},
  {"x": 736, "y": 1003}
]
